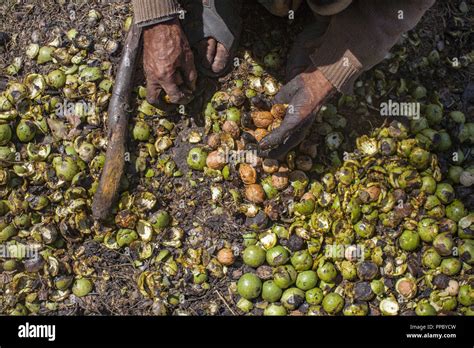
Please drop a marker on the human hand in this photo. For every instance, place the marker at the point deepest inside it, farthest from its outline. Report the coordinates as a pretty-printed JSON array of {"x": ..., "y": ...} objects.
[
  {"x": 169, "y": 63},
  {"x": 304, "y": 94}
]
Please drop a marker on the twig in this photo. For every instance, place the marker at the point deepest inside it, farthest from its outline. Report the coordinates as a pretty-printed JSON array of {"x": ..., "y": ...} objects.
[{"x": 225, "y": 302}]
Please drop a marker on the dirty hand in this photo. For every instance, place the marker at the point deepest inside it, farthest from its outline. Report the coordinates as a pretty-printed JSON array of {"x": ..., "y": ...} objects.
[
  {"x": 168, "y": 62},
  {"x": 304, "y": 94}
]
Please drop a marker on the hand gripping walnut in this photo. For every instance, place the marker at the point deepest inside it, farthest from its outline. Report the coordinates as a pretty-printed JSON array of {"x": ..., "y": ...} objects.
[{"x": 169, "y": 63}]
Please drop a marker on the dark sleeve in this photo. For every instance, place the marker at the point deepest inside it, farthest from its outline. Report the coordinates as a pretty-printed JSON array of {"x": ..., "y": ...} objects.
[
  {"x": 154, "y": 11},
  {"x": 361, "y": 36}
]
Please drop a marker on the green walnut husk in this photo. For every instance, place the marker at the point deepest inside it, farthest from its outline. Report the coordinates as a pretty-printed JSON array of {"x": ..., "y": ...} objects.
[
  {"x": 275, "y": 310},
  {"x": 44, "y": 55},
  {"x": 292, "y": 298},
  {"x": 5, "y": 134},
  {"x": 141, "y": 131},
  {"x": 249, "y": 286},
  {"x": 82, "y": 287},
  {"x": 56, "y": 79},
  {"x": 333, "y": 303},
  {"x": 284, "y": 276},
  {"x": 271, "y": 292},
  {"x": 254, "y": 256},
  {"x": 390, "y": 199},
  {"x": 277, "y": 256},
  {"x": 197, "y": 159},
  {"x": 306, "y": 280}
]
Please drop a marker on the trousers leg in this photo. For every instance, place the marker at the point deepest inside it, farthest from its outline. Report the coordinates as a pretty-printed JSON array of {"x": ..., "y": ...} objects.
[
  {"x": 328, "y": 7},
  {"x": 319, "y": 7},
  {"x": 280, "y": 7}
]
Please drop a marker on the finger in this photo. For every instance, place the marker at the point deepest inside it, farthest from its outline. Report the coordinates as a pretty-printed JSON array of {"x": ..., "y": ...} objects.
[
  {"x": 189, "y": 70},
  {"x": 297, "y": 114},
  {"x": 172, "y": 88},
  {"x": 153, "y": 91},
  {"x": 273, "y": 140},
  {"x": 288, "y": 91},
  {"x": 207, "y": 51},
  {"x": 221, "y": 59},
  {"x": 285, "y": 144},
  {"x": 278, "y": 135},
  {"x": 210, "y": 52},
  {"x": 290, "y": 143}
]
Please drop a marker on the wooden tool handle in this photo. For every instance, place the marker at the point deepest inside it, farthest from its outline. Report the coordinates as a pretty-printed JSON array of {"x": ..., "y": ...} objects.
[{"x": 118, "y": 110}]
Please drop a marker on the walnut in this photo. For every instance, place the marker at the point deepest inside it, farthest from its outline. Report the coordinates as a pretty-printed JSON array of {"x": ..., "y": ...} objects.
[{"x": 262, "y": 119}]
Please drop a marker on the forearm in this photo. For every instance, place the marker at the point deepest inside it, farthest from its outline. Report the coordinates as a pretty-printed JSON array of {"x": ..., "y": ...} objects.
[
  {"x": 149, "y": 12},
  {"x": 361, "y": 36}
]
